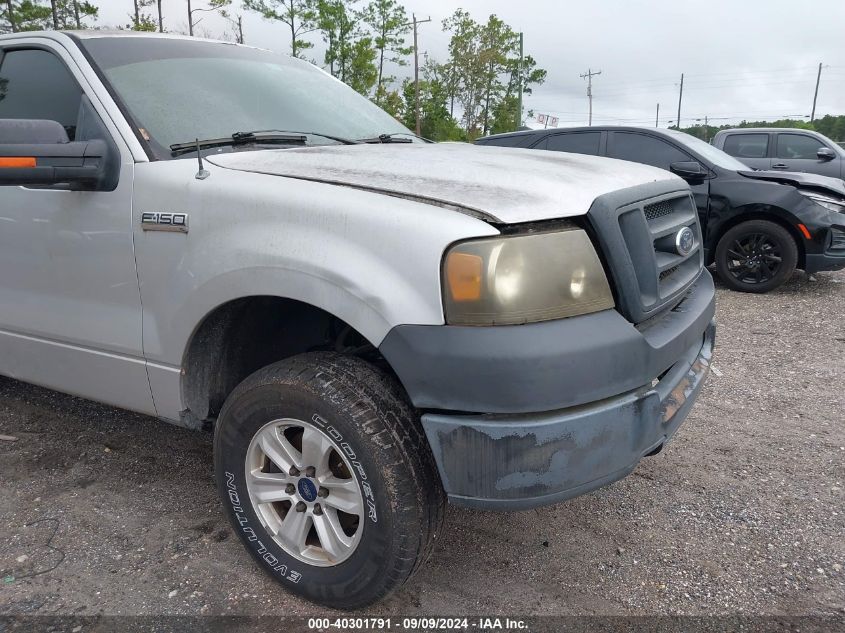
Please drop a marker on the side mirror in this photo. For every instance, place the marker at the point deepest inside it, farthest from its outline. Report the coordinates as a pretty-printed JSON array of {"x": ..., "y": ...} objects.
[
  {"x": 825, "y": 153},
  {"x": 690, "y": 170},
  {"x": 34, "y": 152}
]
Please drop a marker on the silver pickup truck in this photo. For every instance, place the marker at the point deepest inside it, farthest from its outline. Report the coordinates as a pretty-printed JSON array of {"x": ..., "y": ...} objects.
[{"x": 371, "y": 324}]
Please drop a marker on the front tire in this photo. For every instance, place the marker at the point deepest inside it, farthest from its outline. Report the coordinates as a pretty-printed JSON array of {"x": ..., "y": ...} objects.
[
  {"x": 756, "y": 256},
  {"x": 328, "y": 479}
]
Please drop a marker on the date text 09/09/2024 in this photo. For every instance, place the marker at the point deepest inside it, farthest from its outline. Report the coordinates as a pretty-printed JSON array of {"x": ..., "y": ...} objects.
[{"x": 418, "y": 624}]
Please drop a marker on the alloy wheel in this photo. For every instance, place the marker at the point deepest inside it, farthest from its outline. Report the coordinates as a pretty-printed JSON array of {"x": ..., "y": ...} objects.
[
  {"x": 754, "y": 258},
  {"x": 302, "y": 487}
]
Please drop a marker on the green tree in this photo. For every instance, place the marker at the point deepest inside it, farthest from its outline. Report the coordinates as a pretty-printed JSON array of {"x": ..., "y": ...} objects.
[
  {"x": 25, "y": 15},
  {"x": 389, "y": 22},
  {"x": 483, "y": 73},
  {"x": 72, "y": 14},
  {"x": 300, "y": 16},
  {"x": 466, "y": 67},
  {"x": 498, "y": 41},
  {"x": 531, "y": 76},
  {"x": 235, "y": 20},
  {"x": 435, "y": 121},
  {"x": 350, "y": 54},
  {"x": 141, "y": 20},
  {"x": 391, "y": 102},
  {"x": 361, "y": 73},
  {"x": 338, "y": 24}
]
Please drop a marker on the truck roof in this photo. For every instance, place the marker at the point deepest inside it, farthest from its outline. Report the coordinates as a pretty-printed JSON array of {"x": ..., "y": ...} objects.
[
  {"x": 110, "y": 33},
  {"x": 766, "y": 129}
]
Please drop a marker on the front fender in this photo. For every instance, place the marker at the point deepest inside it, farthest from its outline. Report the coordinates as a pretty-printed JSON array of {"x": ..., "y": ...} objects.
[{"x": 371, "y": 260}]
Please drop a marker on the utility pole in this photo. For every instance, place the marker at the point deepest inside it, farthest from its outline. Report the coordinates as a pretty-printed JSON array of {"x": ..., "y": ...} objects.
[
  {"x": 657, "y": 116},
  {"x": 417, "y": 71},
  {"x": 519, "y": 106},
  {"x": 816, "y": 94},
  {"x": 589, "y": 77},
  {"x": 680, "y": 97}
]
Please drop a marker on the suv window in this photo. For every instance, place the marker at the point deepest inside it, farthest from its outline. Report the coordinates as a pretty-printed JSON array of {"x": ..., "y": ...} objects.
[
  {"x": 640, "y": 148},
  {"x": 35, "y": 84},
  {"x": 798, "y": 146},
  {"x": 577, "y": 143},
  {"x": 504, "y": 141},
  {"x": 747, "y": 145}
]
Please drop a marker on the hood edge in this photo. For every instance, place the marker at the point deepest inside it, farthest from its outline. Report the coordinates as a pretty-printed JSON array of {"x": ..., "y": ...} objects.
[{"x": 472, "y": 212}]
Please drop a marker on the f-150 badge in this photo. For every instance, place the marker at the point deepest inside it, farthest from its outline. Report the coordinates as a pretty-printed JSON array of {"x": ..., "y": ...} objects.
[{"x": 154, "y": 221}]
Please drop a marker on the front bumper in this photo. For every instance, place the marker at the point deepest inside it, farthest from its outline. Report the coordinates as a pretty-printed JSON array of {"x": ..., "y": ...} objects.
[
  {"x": 516, "y": 462},
  {"x": 826, "y": 261},
  {"x": 608, "y": 392}
]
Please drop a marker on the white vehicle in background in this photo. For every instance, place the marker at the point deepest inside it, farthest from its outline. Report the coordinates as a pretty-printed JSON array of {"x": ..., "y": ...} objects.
[{"x": 222, "y": 237}]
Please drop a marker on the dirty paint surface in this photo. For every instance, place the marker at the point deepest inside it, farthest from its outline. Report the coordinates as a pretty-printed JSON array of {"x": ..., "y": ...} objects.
[{"x": 512, "y": 185}]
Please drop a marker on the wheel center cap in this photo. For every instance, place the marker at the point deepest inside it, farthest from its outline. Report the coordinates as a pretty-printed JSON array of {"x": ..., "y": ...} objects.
[{"x": 307, "y": 490}]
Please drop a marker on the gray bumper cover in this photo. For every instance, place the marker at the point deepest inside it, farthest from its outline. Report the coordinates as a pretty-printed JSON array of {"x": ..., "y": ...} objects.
[
  {"x": 591, "y": 379},
  {"x": 508, "y": 462},
  {"x": 543, "y": 366}
]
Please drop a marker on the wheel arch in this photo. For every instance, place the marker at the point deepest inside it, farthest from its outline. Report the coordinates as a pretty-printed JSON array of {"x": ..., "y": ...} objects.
[
  {"x": 242, "y": 335},
  {"x": 748, "y": 213}
]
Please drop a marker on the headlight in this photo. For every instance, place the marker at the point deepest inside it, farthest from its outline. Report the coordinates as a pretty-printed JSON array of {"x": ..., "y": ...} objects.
[
  {"x": 523, "y": 279},
  {"x": 837, "y": 205}
]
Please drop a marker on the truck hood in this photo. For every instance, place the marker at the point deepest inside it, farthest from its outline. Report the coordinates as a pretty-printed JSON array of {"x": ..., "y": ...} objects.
[
  {"x": 493, "y": 183},
  {"x": 799, "y": 179}
]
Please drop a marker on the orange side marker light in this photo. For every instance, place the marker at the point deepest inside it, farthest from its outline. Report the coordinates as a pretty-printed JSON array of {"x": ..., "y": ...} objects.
[
  {"x": 16, "y": 162},
  {"x": 805, "y": 231}
]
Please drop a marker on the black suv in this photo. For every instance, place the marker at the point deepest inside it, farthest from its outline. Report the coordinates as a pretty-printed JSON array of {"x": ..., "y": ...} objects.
[{"x": 758, "y": 226}]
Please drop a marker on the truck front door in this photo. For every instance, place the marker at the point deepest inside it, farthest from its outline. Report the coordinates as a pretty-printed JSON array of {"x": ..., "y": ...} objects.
[
  {"x": 799, "y": 152},
  {"x": 70, "y": 308}
]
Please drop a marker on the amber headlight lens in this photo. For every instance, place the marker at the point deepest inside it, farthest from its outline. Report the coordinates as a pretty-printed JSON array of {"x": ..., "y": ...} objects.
[{"x": 523, "y": 279}]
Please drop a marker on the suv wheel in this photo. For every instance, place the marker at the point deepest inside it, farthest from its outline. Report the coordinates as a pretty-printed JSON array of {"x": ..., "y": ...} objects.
[
  {"x": 756, "y": 256},
  {"x": 328, "y": 479}
]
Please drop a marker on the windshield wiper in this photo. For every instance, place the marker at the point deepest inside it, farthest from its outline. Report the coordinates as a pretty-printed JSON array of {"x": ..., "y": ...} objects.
[
  {"x": 387, "y": 138},
  {"x": 240, "y": 138}
]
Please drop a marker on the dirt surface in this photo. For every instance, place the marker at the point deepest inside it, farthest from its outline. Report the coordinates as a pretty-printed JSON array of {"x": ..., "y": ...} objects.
[{"x": 104, "y": 511}]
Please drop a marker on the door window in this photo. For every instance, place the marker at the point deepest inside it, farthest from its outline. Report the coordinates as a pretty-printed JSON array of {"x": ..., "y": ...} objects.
[
  {"x": 35, "y": 84},
  {"x": 747, "y": 145},
  {"x": 640, "y": 148},
  {"x": 577, "y": 143},
  {"x": 798, "y": 146}
]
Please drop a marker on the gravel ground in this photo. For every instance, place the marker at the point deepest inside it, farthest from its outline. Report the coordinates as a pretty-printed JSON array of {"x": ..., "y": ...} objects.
[{"x": 104, "y": 511}]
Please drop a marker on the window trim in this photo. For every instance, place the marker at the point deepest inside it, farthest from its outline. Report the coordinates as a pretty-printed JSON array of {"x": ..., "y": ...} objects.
[
  {"x": 118, "y": 102},
  {"x": 805, "y": 135},
  {"x": 12, "y": 47},
  {"x": 545, "y": 138},
  {"x": 611, "y": 142},
  {"x": 769, "y": 144}
]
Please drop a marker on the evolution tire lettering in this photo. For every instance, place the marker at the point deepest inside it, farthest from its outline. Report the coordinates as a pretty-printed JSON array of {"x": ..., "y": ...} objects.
[{"x": 252, "y": 537}]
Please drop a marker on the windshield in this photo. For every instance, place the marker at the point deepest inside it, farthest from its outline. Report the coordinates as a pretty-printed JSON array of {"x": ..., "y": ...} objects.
[
  {"x": 179, "y": 90},
  {"x": 709, "y": 153}
]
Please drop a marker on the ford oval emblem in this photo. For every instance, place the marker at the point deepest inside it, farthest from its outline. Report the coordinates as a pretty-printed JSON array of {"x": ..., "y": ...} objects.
[{"x": 684, "y": 241}]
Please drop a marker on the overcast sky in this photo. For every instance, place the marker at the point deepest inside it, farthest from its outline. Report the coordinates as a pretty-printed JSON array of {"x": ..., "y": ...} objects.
[{"x": 748, "y": 59}]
